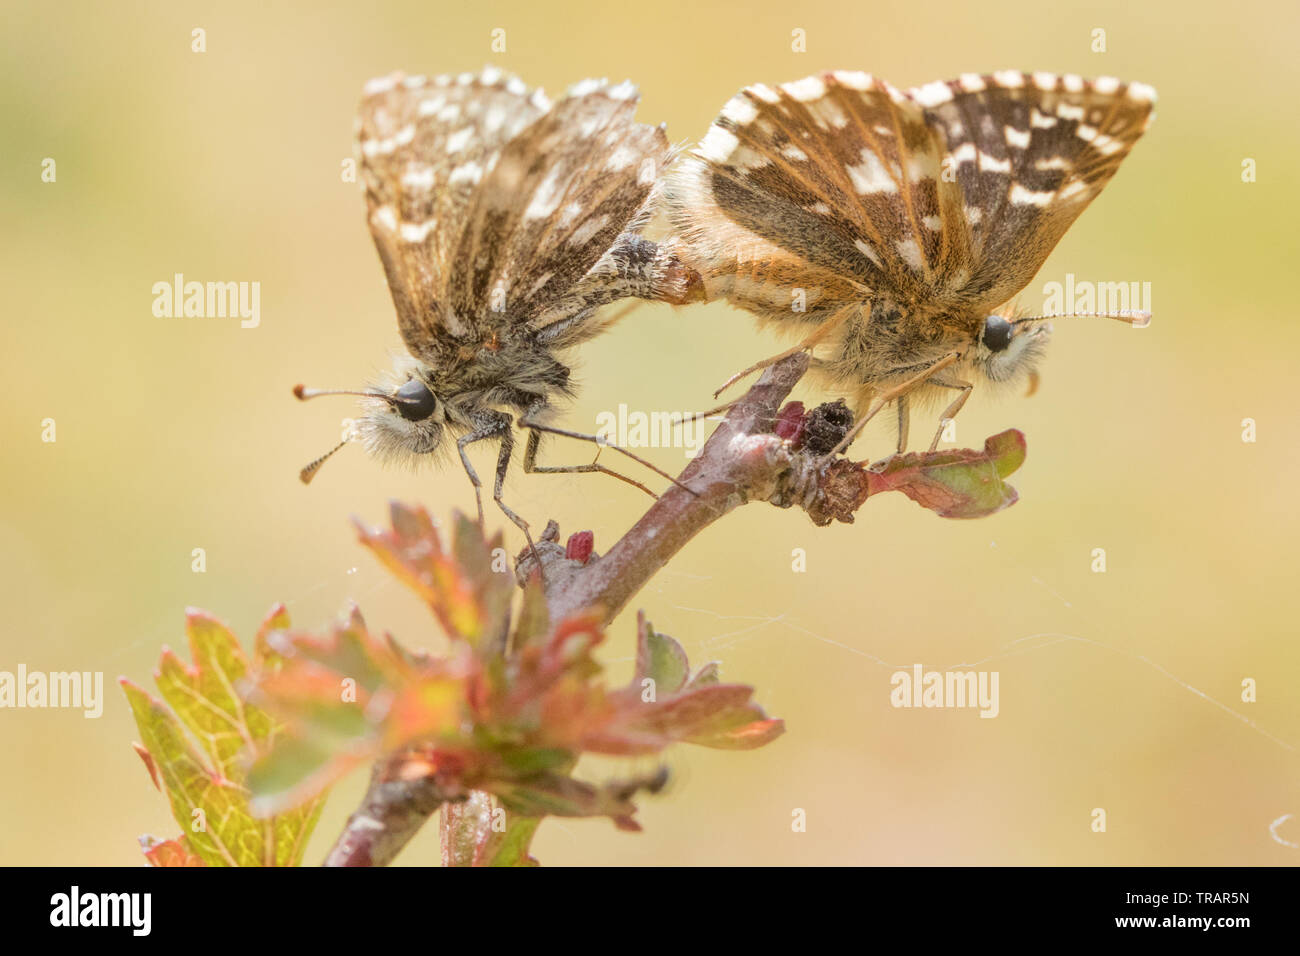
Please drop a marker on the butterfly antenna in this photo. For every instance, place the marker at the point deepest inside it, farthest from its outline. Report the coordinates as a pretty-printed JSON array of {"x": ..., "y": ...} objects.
[
  {"x": 308, "y": 473},
  {"x": 302, "y": 393},
  {"x": 1137, "y": 318}
]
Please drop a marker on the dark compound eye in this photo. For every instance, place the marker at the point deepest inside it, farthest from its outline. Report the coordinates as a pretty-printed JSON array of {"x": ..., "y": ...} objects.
[
  {"x": 997, "y": 333},
  {"x": 417, "y": 402}
]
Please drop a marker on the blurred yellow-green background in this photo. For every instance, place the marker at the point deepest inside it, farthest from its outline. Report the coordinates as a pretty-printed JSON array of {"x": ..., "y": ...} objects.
[{"x": 1119, "y": 690}]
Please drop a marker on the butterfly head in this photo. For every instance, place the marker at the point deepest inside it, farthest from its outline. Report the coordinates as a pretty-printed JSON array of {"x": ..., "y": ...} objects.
[
  {"x": 402, "y": 419},
  {"x": 409, "y": 420},
  {"x": 1009, "y": 350}
]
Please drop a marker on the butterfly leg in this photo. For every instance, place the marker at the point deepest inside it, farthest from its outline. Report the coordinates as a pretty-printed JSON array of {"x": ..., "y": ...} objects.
[
  {"x": 818, "y": 334},
  {"x": 898, "y": 391},
  {"x": 493, "y": 425},
  {"x": 530, "y": 453},
  {"x": 904, "y": 419},
  {"x": 951, "y": 411},
  {"x": 531, "y": 466}
]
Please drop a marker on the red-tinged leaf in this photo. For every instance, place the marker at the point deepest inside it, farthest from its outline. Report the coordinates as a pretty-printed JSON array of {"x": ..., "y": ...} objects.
[
  {"x": 659, "y": 658},
  {"x": 149, "y": 765},
  {"x": 747, "y": 728},
  {"x": 708, "y": 714},
  {"x": 460, "y": 587},
  {"x": 169, "y": 852},
  {"x": 345, "y": 699},
  {"x": 963, "y": 483},
  {"x": 430, "y": 708},
  {"x": 692, "y": 711}
]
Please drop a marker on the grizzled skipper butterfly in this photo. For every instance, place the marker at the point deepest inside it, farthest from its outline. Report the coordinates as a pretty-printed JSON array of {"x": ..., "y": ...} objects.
[
  {"x": 504, "y": 222},
  {"x": 901, "y": 222}
]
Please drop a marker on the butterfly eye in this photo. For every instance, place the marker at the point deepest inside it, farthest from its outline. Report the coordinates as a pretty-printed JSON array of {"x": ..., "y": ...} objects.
[
  {"x": 997, "y": 333},
  {"x": 415, "y": 402}
]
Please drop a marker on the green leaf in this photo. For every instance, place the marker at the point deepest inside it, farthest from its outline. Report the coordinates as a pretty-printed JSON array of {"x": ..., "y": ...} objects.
[
  {"x": 659, "y": 658},
  {"x": 198, "y": 750}
]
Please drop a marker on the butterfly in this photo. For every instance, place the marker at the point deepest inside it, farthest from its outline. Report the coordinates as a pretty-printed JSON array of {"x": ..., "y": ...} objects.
[
  {"x": 504, "y": 222},
  {"x": 892, "y": 228}
]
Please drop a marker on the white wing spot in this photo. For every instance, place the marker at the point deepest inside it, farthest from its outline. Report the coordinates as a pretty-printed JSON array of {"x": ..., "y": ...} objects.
[
  {"x": 1142, "y": 92},
  {"x": 718, "y": 144},
  {"x": 933, "y": 94},
  {"x": 910, "y": 253},
  {"x": 621, "y": 158},
  {"x": 965, "y": 153},
  {"x": 870, "y": 176},
  {"x": 584, "y": 233},
  {"x": 867, "y": 251},
  {"x": 468, "y": 173},
  {"x": 1076, "y": 189},
  {"x": 828, "y": 114},
  {"x": 1032, "y": 197},
  {"x": 547, "y": 199},
  {"x": 624, "y": 91},
  {"x": 740, "y": 110},
  {"x": 380, "y": 84},
  {"x": 417, "y": 232},
  {"x": 458, "y": 140},
  {"x": 991, "y": 164},
  {"x": 584, "y": 87},
  {"x": 853, "y": 79},
  {"x": 417, "y": 178},
  {"x": 807, "y": 90},
  {"x": 1052, "y": 162}
]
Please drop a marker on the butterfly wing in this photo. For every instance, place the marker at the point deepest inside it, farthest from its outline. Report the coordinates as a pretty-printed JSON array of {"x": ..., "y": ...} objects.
[
  {"x": 1029, "y": 151},
  {"x": 948, "y": 197},
  {"x": 557, "y": 199},
  {"x": 425, "y": 147},
  {"x": 831, "y": 184}
]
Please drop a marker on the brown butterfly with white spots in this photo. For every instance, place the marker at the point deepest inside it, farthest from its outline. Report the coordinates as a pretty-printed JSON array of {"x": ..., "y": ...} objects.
[
  {"x": 504, "y": 222},
  {"x": 891, "y": 228}
]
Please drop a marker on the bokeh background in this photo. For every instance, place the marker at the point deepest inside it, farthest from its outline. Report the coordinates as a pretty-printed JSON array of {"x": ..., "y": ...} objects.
[{"x": 1118, "y": 690}]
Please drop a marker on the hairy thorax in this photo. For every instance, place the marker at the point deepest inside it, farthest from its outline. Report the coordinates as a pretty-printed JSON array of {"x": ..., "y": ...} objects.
[
  {"x": 889, "y": 344},
  {"x": 512, "y": 372}
]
